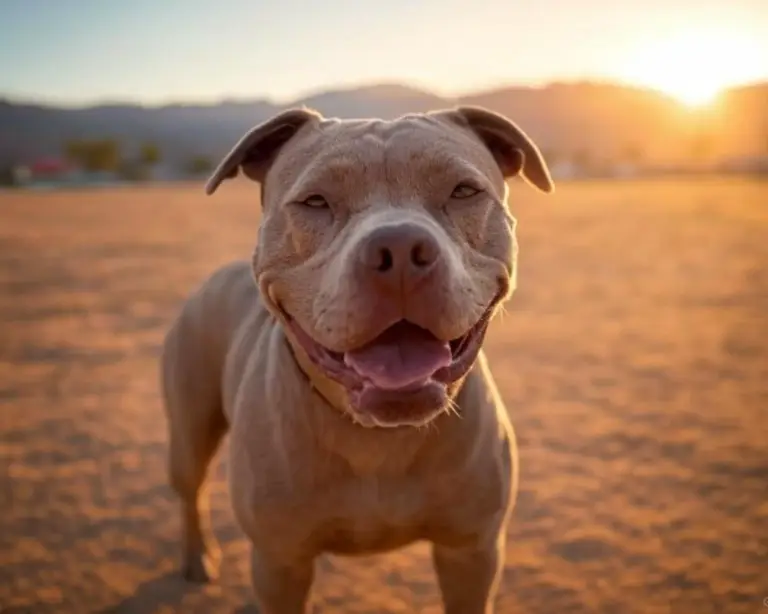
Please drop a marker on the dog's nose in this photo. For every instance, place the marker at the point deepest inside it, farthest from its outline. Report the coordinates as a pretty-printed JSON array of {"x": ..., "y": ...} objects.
[{"x": 399, "y": 253}]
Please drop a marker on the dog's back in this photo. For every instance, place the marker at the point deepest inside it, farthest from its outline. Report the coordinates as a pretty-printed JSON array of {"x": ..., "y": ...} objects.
[{"x": 197, "y": 343}]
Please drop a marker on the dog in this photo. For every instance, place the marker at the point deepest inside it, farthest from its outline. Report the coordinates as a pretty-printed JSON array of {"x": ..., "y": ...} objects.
[{"x": 345, "y": 360}]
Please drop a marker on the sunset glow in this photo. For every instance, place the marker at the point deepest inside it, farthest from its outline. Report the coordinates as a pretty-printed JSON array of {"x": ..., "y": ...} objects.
[{"x": 694, "y": 67}]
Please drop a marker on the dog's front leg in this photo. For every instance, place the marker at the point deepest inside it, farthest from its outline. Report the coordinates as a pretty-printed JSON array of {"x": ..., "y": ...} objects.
[
  {"x": 280, "y": 588},
  {"x": 469, "y": 576}
]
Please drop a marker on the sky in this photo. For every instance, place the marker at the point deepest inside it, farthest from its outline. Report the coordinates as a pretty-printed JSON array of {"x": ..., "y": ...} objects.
[{"x": 76, "y": 52}]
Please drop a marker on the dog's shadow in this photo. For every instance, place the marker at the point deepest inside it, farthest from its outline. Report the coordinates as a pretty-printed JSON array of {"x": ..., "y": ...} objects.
[{"x": 165, "y": 591}]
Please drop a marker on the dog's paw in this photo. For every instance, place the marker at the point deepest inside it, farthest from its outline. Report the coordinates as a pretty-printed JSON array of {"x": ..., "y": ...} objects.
[{"x": 200, "y": 568}]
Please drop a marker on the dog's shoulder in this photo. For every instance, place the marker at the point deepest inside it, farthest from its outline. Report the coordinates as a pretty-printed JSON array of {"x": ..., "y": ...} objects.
[
  {"x": 217, "y": 312},
  {"x": 224, "y": 298},
  {"x": 231, "y": 285}
]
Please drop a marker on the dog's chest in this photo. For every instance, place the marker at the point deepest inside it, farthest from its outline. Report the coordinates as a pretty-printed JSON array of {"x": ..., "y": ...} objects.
[{"x": 369, "y": 515}]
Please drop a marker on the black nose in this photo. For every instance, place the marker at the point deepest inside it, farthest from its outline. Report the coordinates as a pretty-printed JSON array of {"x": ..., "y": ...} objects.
[{"x": 402, "y": 252}]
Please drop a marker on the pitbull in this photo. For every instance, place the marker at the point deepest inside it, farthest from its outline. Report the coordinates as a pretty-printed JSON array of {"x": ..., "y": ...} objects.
[{"x": 345, "y": 358}]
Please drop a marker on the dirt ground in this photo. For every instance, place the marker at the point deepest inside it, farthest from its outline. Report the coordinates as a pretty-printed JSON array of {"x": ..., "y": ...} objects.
[{"x": 634, "y": 361}]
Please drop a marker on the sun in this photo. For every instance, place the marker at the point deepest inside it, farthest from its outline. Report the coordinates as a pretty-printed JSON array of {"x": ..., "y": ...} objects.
[{"x": 694, "y": 67}]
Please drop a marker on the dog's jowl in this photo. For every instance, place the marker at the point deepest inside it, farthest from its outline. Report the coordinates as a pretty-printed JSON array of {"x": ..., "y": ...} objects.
[{"x": 345, "y": 358}]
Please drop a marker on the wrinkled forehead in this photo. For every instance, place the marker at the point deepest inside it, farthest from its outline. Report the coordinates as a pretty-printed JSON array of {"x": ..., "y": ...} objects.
[{"x": 412, "y": 154}]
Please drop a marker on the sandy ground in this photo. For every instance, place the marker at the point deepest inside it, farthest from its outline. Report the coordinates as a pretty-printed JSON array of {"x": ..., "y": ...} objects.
[{"x": 634, "y": 361}]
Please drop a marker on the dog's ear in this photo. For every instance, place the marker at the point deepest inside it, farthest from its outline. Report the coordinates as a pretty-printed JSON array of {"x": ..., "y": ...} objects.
[
  {"x": 512, "y": 148},
  {"x": 257, "y": 149}
]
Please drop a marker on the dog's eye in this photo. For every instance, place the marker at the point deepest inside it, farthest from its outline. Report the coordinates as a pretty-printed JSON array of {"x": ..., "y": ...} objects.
[
  {"x": 316, "y": 201},
  {"x": 464, "y": 190}
]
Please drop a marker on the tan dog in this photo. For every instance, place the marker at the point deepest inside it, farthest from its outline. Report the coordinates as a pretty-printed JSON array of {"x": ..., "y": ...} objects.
[{"x": 362, "y": 412}]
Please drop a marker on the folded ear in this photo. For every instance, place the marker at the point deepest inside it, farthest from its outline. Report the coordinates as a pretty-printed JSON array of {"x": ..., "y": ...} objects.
[
  {"x": 257, "y": 149},
  {"x": 513, "y": 149}
]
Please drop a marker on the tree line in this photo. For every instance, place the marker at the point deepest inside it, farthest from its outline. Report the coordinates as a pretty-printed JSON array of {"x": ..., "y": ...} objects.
[{"x": 106, "y": 155}]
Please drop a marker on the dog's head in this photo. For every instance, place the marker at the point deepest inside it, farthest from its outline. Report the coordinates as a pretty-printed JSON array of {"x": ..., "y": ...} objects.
[{"x": 386, "y": 247}]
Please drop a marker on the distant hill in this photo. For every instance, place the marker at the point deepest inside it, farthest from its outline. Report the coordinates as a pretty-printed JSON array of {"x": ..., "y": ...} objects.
[{"x": 597, "y": 120}]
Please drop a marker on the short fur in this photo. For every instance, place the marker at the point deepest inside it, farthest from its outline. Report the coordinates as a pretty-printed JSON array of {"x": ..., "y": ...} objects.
[{"x": 308, "y": 472}]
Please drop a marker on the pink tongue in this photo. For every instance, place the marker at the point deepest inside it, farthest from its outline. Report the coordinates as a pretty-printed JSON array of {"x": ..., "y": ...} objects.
[{"x": 402, "y": 355}]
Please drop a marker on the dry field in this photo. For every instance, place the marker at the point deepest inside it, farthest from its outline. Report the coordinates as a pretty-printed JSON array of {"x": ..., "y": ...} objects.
[{"x": 634, "y": 361}]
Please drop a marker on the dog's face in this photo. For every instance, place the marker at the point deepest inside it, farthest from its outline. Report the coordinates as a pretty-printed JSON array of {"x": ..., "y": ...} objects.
[{"x": 386, "y": 247}]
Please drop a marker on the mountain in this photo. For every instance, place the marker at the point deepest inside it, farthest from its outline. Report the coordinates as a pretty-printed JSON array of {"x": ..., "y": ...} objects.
[
  {"x": 597, "y": 120},
  {"x": 33, "y": 131},
  {"x": 385, "y": 100}
]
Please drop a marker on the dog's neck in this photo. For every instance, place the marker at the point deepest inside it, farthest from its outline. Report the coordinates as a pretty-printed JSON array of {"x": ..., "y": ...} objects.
[{"x": 331, "y": 392}]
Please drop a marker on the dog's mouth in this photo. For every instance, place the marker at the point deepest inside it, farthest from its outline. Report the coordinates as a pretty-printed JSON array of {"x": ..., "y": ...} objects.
[
  {"x": 403, "y": 357},
  {"x": 404, "y": 365}
]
